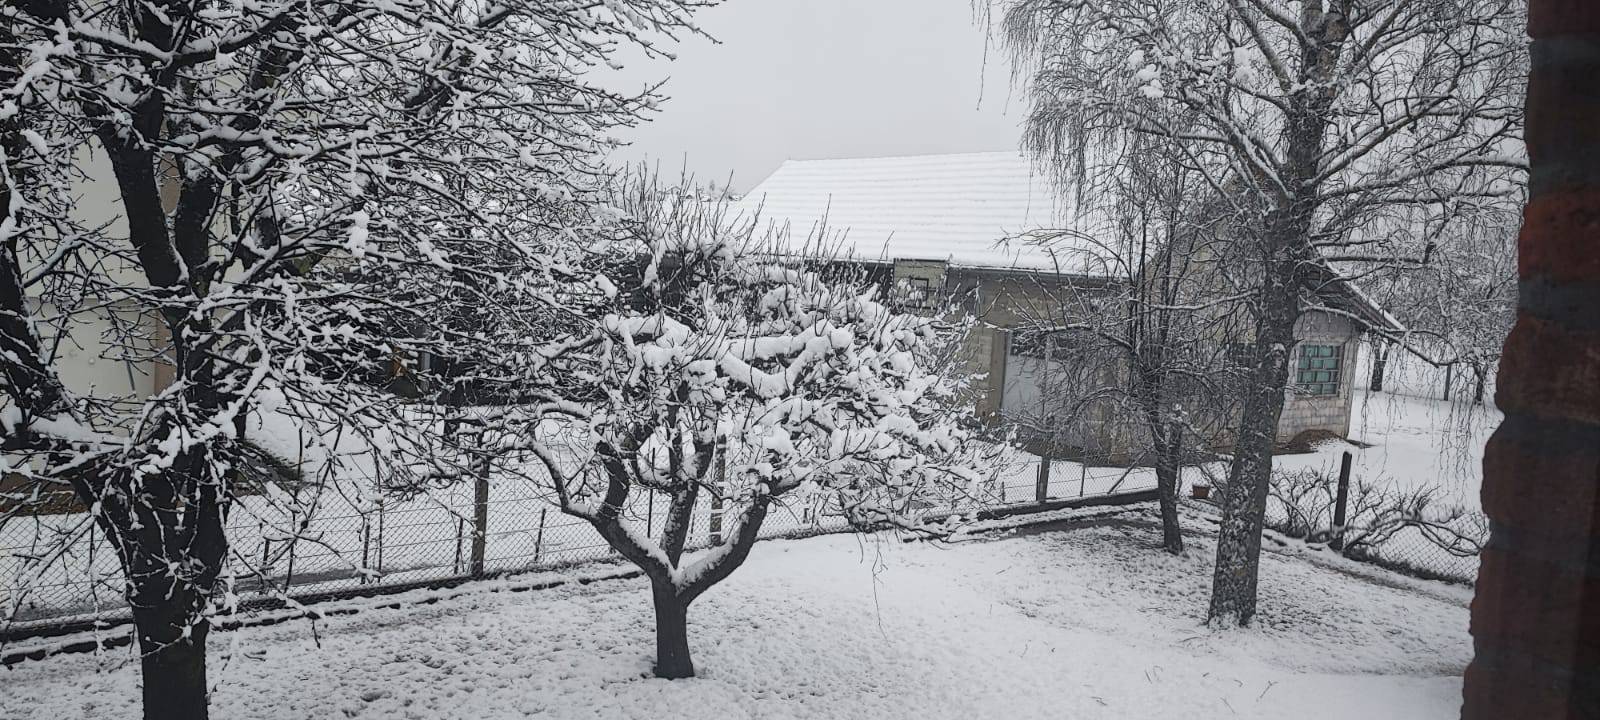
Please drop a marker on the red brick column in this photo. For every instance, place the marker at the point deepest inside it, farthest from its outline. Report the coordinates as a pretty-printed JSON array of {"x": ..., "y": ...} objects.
[{"x": 1536, "y": 617}]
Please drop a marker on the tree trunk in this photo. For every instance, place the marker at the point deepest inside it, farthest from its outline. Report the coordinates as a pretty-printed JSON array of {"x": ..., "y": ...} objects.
[
  {"x": 171, "y": 545},
  {"x": 1168, "y": 460},
  {"x": 1380, "y": 359},
  {"x": 1244, "y": 497},
  {"x": 173, "y": 665},
  {"x": 1480, "y": 378},
  {"x": 672, "y": 634}
]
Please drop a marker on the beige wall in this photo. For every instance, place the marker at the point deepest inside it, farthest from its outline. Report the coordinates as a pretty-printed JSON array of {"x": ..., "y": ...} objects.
[
  {"x": 91, "y": 361},
  {"x": 1003, "y": 302},
  {"x": 1320, "y": 412}
]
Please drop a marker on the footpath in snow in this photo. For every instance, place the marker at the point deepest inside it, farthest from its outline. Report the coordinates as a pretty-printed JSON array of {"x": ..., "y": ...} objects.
[{"x": 1041, "y": 622}]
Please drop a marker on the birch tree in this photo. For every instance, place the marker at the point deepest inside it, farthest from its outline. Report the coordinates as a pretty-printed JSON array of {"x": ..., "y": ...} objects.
[
  {"x": 1316, "y": 120},
  {"x": 309, "y": 195}
]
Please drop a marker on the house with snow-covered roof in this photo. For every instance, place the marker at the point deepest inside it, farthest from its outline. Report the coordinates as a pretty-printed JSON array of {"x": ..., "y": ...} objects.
[{"x": 943, "y": 233}]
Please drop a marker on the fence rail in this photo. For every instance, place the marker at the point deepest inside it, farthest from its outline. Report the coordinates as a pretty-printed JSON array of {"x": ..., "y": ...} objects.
[
  {"x": 489, "y": 528},
  {"x": 437, "y": 539}
]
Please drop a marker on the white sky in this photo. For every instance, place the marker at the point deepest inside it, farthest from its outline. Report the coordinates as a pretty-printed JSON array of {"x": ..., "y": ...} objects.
[{"x": 825, "y": 78}]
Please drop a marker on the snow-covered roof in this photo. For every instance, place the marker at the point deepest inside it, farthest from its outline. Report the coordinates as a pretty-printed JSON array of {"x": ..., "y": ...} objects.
[{"x": 957, "y": 208}]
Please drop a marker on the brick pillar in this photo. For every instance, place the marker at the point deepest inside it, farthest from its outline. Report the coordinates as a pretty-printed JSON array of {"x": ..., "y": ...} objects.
[{"x": 1536, "y": 616}]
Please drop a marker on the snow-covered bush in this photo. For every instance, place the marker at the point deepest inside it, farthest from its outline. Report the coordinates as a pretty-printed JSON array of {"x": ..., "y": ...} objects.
[
  {"x": 1304, "y": 502},
  {"x": 719, "y": 372}
]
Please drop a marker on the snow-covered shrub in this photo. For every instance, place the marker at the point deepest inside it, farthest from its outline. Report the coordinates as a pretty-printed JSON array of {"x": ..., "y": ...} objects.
[
  {"x": 1303, "y": 504},
  {"x": 723, "y": 373}
]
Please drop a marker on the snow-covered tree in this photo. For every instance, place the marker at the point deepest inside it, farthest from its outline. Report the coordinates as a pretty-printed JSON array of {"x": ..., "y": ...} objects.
[
  {"x": 309, "y": 198},
  {"x": 1144, "y": 357},
  {"x": 1458, "y": 302},
  {"x": 721, "y": 372},
  {"x": 1334, "y": 127}
]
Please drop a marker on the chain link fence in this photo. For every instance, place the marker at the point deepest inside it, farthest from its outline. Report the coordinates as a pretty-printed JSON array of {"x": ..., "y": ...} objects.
[
  {"x": 59, "y": 571},
  {"x": 1409, "y": 531}
]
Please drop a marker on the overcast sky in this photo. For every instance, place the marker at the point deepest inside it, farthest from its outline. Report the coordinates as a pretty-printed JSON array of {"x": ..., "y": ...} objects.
[{"x": 825, "y": 78}]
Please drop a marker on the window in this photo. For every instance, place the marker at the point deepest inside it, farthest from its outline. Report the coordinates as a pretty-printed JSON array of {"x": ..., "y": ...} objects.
[
  {"x": 916, "y": 294},
  {"x": 1318, "y": 372},
  {"x": 1053, "y": 344},
  {"x": 1029, "y": 343}
]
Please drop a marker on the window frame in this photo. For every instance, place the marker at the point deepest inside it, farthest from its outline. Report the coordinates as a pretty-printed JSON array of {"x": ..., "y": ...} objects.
[{"x": 1319, "y": 374}]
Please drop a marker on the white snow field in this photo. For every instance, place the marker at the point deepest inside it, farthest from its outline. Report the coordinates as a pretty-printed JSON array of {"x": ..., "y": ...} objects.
[{"x": 1041, "y": 622}]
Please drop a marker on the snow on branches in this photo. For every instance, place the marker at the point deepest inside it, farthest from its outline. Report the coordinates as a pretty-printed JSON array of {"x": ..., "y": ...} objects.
[
  {"x": 1343, "y": 136},
  {"x": 721, "y": 370},
  {"x": 357, "y": 212}
]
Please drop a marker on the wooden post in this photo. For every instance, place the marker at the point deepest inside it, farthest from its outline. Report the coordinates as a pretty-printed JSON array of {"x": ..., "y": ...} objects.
[
  {"x": 480, "y": 519},
  {"x": 538, "y": 540},
  {"x": 380, "y": 538},
  {"x": 1337, "y": 543},
  {"x": 1041, "y": 484},
  {"x": 461, "y": 534},
  {"x": 366, "y": 547},
  {"x": 294, "y": 544}
]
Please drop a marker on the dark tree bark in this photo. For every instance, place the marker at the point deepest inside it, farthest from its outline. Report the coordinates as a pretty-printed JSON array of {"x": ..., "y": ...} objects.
[
  {"x": 1380, "y": 361},
  {"x": 172, "y": 663},
  {"x": 671, "y": 599},
  {"x": 672, "y": 633},
  {"x": 1244, "y": 496},
  {"x": 1169, "y": 457},
  {"x": 1284, "y": 249}
]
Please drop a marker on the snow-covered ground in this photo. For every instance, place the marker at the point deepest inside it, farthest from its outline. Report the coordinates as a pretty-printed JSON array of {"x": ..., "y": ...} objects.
[
  {"x": 1413, "y": 443},
  {"x": 1406, "y": 444},
  {"x": 1090, "y": 622}
]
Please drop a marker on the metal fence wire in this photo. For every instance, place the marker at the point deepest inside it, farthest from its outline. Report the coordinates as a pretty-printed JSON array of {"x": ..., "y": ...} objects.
[
  {"x": 58, "y": 570},
  {"x": 1429, "y": 545}
]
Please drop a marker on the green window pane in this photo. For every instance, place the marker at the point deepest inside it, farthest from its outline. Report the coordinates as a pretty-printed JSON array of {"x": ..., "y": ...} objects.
[{"x": 1318, "y": 369}]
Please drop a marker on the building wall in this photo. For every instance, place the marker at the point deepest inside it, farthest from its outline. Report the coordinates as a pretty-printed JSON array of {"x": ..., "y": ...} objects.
[
  {"x": 1331, "y": 413},
  {"x": 1004, "y": 303},
  {"x": 107, "y": 353}
]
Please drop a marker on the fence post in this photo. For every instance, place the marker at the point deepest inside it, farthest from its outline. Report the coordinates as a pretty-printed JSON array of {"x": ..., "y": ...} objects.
[
  {"x": 461, "y": 534},
  {"x": 480, "y": 518},
  {"x": 538, "y": 540},
  {"x": 266, "y": 549},
  {"x": 380, "y": 537},
  {"x": 1041, "y": 484},
  {"x": 716, "y": 497},
  {"x": 294, "y": 544},
  {"x": 366, "y": 548},
  {"x": 1337, "y": 543}
]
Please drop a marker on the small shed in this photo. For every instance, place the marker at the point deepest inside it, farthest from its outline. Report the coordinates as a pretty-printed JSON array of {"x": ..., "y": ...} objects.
[{"x": 936, "y": 226}]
